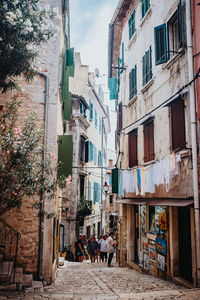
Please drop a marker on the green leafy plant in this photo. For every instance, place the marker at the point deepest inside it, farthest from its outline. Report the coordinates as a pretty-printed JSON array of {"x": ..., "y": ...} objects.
[
  {"x": 84, "y": 208},
  {"x": 24, "y": 27},
  {"x": 26, "y": 168}
]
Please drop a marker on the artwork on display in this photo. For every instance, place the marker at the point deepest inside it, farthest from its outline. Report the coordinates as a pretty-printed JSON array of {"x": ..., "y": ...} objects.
[
  {"x": 145, "y": 244},
  {"x": 143, "y": 219},
  {"x": 152, "y": 252},
  {"x": 161, "y": 262},
  {"x": 146, "y": 261},
  {"x": 163, "y": 221},
  {"x": 157, "y": 219},
  {"x": 140, "y": 258},
  {"x": 161, "y": 209},
  {"x": 161, "y": 246}
]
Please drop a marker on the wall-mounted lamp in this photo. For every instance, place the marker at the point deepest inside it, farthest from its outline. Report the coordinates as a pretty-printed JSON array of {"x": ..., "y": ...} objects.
[{"x": 105, "y": 188}]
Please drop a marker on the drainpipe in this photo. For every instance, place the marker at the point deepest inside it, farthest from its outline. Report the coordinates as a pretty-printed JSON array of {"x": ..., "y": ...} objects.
[
  {"x": 41, "y": 223},
  {"x": 193, "y": 134}
]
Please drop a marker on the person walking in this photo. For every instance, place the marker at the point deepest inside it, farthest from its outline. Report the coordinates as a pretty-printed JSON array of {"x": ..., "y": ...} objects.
[
  {"x": 103, "y": 248},
  {"x": 110, "y": 248}
]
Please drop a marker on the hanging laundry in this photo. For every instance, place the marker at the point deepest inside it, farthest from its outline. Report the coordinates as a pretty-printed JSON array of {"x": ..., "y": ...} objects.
[
  {"x": 152, "y": 184},
  {"x": 138, "y": 179},
  {"x": 143, "y": 180},
  {"x": 126, "y": 181},
  {"x": 172, "y": 161},
  {"x": 136, "y": 182},
  {"x": 131, "y": 182},
  {"x": 121, "y": 190}
]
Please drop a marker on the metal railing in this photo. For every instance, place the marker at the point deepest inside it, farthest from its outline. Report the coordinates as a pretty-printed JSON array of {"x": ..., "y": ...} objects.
[{"x": 9, "y": 238}]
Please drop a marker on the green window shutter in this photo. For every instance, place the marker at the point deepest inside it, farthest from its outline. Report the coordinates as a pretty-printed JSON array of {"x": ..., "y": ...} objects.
[
  {"x": 99, "y": 192},
  {"x": 64, "y": 5},
  {"x": 180, "y": 24},
  {"x": 95, "y": 121},
  {"x": 121, "y": 59},
  {"x": 115, "y": 181},
  {"x": 65, "y": 155},
  {"x": 113, "y": 88},
  {"x": 150, "y": 62},
  {"x": 143, "y": 2},
  {"x": 160, "y": 44},
  {"x": 70, "y": 61},
  {"x": 131, "y": 24},
  {"x": 135, "y": 80},
  {"x": 95, "y": 191},
  {"x": 133, "y": 83},
  {"x": 144, "y": 69},
  {"x": 91, "y": 111},
  {"x": 95, "y": 154},
  {"x": 91, "y": 151},
  {"x": 67, "y": 106},
  {"x": 89, "y": 190}
]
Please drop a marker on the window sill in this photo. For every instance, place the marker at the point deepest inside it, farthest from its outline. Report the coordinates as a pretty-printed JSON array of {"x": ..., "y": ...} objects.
[
  {"x": 147, "y": 85},
  {"x": 132, "y": 100},
  {"x": 148, "y": 13},
  {"x": 168, "y": 64},
  {"x": 133, "y": 38}
]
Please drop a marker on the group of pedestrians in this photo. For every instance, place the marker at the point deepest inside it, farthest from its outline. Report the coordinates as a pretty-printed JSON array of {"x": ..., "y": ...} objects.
[{"x": 97, "y": 250}]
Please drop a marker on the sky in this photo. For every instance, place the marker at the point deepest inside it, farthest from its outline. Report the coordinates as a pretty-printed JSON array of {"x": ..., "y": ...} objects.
[{"x": 89, "y": 30}]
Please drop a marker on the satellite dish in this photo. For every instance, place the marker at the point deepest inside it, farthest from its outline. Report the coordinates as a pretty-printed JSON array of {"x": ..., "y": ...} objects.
[{"x": 96, "y": 72}]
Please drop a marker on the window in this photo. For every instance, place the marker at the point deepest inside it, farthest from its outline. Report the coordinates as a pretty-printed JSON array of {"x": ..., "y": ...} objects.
[
  {"x": 83, "y": 155},
  {"x": 160, "y": 44},
  {"x": 133, "y": 83},
  {"x": 147, "y": 66},
  {"x": 145, "y": 4},
  {"x": 178, "y": 124},
  {"x": 148, "y": 141},
  {"x": 175, "y": 31},
  {"x": 91, "y": 111},
  {"x": 95, "y": 120},
  {"x": 168, "y": 42},
  {"x": 132, "y": 147},
  {"x": 83, "y": 110},
  {"x": 131, "y": 24},
  {"x": 110, "y": 179}
]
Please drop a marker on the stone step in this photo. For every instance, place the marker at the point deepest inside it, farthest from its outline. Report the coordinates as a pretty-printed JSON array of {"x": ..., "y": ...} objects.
[
  {"x": 18, "y": 275},
  {"x": 27, "y": 280},
  {"x": 6, "y": 268},
  {"x": 38, "y": 286}
]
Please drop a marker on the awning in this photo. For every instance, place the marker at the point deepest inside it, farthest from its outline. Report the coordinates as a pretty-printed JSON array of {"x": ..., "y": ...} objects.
[{"x": 155, "y": 202}]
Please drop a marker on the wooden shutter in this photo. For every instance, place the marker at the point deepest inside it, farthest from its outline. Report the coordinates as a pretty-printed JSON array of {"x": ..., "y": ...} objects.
[
  {"x": 160, "y": 44},
  {"x": 149, "y": 141},
  {"x": 143, "y": 7},
  {"x": 146, "y": 143},
  {"x": 65, "y": 155},
  {"x": 178, "y": 125},
  {"x": 70, "y": 61},
  {"x": 132, "y": 144},
  {"x": 144, "y": 69}
]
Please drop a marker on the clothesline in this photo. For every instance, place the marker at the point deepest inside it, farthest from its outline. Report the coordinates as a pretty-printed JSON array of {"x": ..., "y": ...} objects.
[{"x": 143, "y": 180}]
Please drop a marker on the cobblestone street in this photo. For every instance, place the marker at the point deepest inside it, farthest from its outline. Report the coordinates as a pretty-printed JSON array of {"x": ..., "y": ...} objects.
[{"x": 96, "y": 281}]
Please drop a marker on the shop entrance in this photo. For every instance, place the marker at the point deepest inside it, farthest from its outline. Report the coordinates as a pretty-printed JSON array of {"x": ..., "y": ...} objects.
[
  {"x": 136, "y": 216},
  {"x": 185, "y": 253}
]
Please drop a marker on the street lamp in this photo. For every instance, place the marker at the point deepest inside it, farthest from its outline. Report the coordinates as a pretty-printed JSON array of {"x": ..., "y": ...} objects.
[{"x": 105, "y": 188}]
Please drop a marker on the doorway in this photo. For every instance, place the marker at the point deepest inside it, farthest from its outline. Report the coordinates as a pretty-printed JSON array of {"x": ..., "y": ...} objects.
[
  {"x": 136, "y": 217},
  {"x": 185, "y": 252}
]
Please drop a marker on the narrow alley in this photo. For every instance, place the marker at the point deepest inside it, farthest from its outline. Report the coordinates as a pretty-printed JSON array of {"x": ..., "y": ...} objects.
[{"x": 96, "y": 281}]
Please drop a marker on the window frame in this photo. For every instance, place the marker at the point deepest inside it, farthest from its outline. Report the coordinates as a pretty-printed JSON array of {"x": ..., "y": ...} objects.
[
  {"x": 145, "y": 6},
  {"x": 160, "y": 44}
]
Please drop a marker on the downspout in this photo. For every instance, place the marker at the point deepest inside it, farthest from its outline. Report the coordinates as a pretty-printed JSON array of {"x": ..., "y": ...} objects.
[
  {"x": 193, "y": 134},
  {"x": 42, "y": 197}
]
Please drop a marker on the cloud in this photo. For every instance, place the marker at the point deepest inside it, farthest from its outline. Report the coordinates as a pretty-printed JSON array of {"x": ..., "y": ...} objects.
[{"x": 91, "y": 40}]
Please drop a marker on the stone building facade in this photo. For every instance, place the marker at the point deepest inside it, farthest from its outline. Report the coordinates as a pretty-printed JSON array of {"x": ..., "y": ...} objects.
[
  {"x": 148, "y": 58},
  {"x": 38, "y": 248}
]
